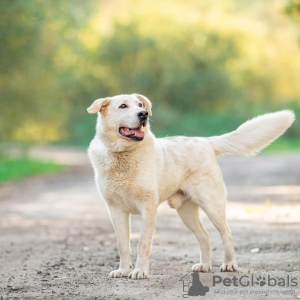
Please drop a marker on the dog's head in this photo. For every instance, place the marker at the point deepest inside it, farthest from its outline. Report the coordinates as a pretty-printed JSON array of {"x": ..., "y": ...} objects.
[{"x": 122, "y": 120}]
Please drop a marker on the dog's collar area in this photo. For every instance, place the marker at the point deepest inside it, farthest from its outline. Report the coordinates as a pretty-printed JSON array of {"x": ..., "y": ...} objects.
[{"x": 135, "y": 134}]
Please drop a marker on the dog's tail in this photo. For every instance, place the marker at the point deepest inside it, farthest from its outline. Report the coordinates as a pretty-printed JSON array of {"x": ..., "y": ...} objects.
[{"x": 254, "y": 135}]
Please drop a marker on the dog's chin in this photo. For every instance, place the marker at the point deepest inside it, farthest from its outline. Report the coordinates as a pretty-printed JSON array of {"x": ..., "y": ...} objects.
[{"x": 134, "y": 134}]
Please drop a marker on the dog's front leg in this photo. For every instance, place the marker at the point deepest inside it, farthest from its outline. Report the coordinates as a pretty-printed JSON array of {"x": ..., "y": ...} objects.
[
  {"x": 141, "y": 270},
  {"x": 120, "y": 220}
]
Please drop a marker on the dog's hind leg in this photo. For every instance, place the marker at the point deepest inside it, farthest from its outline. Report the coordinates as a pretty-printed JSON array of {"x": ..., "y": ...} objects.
[
  {"x": 210, "y": 195},
  {"x": 189, "y": 214},
  {"x": 219, "y": 220}
]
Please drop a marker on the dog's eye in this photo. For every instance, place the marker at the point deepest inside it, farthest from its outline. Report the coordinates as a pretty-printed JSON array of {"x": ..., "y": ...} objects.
[
  {"x": 140, "y": 105},
  {"x": 123, "y": 106}
]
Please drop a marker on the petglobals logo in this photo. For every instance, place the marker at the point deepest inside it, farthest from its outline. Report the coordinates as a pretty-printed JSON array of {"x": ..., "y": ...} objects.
[
  {"x": 274, "y": 283},
  {"x": 252, "y": 280}
]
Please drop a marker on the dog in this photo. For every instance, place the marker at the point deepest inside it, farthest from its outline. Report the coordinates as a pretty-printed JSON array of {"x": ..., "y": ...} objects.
[{"x": 135, "y": 172}]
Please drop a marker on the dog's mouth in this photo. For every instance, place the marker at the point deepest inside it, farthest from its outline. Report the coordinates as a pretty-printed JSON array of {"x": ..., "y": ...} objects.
[{"x": 135, "y": 134}]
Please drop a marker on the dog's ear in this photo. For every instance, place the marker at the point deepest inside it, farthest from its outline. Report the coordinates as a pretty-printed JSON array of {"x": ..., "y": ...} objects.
[
  {"x": 146, "y": 102},
  {"x": 98, "y": 105}
]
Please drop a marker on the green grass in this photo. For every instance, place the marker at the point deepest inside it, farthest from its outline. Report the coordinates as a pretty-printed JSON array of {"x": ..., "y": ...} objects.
[
  {"x": 284, "y": 145},
  {"x": 16, "y": 168}
]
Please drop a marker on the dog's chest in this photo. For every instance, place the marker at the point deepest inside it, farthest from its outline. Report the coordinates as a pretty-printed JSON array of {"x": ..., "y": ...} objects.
[
  {"x": 121, "y": 171},
  {"x": 118, "y": 174},
  {"x": 121, "y": 179}
]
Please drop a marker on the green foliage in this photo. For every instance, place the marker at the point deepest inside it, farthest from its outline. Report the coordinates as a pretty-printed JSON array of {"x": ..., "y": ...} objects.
[
  {"x": 168, "y": 123},
  {"x": 206, "y": 66},
  {"x": 293, "y": 9},
  {"x": 284, "y": 144},
  {"x": 16, "y": 168},
  {"x": 188, "y": 78},
  {"x": 38, "y": 56}
]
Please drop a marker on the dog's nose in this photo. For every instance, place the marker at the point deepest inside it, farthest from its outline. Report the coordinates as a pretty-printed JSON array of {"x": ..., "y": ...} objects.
[{"x": 143, "y": 115}]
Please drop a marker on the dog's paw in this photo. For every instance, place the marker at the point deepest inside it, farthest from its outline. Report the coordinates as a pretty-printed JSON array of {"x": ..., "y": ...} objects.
[
  {"x": 119, "y": 273},
  {"x": 139, "y": 273},
  {"x": 229, "y": 266},
  {"x": 202, "y": 267}
]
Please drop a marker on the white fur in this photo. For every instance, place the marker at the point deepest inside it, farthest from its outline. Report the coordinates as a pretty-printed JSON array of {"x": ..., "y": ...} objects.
[
  {"x": 135, "y": 177},
  {"x": 254, "y": 135}
]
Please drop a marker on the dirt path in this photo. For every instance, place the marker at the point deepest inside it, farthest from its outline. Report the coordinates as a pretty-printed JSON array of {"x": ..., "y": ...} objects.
[{"x": 57, "y": 242}]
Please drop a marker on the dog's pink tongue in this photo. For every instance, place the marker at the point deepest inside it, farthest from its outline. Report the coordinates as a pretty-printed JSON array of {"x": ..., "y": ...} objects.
[
  {"x": 138, "y": 132},
  {"x": 125, "y": 131}
]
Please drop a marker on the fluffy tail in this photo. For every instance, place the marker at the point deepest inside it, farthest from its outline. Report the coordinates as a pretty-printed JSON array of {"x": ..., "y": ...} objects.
[{"x": 254, "y": 135}]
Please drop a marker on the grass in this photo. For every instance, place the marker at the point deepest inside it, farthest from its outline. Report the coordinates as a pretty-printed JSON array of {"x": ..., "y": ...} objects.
[
  {"x": 20, "y": 167},
  {"x": 284, "y": 145}
]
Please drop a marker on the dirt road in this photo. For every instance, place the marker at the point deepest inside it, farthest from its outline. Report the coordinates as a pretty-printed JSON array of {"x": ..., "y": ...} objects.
[{"x": 57, "y": 242}]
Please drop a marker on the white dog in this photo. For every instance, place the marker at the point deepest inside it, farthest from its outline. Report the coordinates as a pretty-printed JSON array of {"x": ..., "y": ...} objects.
[{"x": 135, "y": 172}]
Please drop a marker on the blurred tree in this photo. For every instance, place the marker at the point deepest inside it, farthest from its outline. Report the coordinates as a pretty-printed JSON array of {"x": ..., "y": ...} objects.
[
  {"x": 177, "y": 72},
  {"x": 229, "y": 59},
  {"x": 38, "y": 63},
  {"x": 293, "y": 9}
]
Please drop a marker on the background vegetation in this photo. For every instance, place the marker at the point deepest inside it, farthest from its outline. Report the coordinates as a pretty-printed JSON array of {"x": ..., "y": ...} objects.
[
  {"x": 19, "y": 167},
  {"x": 206, "y": 65}
]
